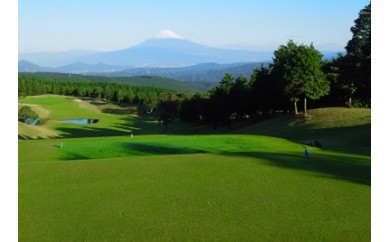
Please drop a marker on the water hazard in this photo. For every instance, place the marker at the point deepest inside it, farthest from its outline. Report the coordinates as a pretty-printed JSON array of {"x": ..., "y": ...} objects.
[
  {"x": 81, "y": 121},
  {"x": 30, "y": 121}
]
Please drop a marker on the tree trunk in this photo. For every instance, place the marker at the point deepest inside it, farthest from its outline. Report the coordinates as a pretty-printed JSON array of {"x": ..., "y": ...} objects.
[
  {"x": 229, "y": 123},
  {"x": 295, "y": 107},
  {"x": 350, "y": 102},
  {"x": 304, "y": 107}
]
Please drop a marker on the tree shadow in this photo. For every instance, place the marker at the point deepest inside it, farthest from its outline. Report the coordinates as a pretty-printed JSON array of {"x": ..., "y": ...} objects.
[
  {"x": 344, "y": 167},
  {"x": 68, "y": 156},
  {"x": 140, "y": 125},
  {"x": 117, "y": 111},
  {"x": 79, "y": 132},
  {"x": 148, "y": 149}
]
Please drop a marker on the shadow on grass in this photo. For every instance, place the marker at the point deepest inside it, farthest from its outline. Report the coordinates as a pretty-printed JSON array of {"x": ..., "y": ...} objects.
[
  {"x": 351, "y": 138},
  {"x": 335, "y": 166},
  {"x": 343, "y": 167},
  {"x": 140, "y": 125},
  {"x": 118, "y": 111},
  {"x": 330, "y": 165},
  {"x": 69, "y": 156},
  {"x": 126, "y": 149},
  {"x": 89, "y": 132},
  {"x": 148, "y": 149}
]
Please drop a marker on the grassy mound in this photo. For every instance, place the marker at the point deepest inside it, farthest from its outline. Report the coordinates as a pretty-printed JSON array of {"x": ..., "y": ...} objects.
[{"x": 336, "y": 128}]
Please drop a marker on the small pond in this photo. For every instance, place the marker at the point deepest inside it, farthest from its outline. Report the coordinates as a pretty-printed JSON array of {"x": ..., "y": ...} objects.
[
  {"x": 81, "y": 121},
  {"x": 30, "y": 121}
]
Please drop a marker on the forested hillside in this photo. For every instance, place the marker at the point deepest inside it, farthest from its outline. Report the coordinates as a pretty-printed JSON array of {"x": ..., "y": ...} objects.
[{"x": 140, "y": 81}]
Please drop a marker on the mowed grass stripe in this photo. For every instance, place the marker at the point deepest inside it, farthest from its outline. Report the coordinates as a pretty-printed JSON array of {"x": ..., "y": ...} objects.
[{"x": 195, "y": 197}]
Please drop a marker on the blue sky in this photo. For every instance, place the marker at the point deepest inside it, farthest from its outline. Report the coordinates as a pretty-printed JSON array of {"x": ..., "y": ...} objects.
[{"x": 54, "y": 25}]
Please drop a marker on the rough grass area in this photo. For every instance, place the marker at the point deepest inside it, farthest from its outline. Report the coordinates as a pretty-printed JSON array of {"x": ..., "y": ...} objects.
[{"x": 34, "y": 132}]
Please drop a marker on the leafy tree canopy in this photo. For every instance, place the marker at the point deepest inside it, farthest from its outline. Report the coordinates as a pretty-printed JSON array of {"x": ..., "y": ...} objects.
[
  {"x": 301, "y": 68},
  {"x": 360, "y": 44},
  {"x": 27, "y": 112}
]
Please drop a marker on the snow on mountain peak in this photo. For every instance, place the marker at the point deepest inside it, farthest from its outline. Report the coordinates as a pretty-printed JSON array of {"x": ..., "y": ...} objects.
[{"x": 168, "y": 34}]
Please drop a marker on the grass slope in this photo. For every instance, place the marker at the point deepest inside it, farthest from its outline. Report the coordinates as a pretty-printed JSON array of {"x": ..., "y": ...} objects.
[
  {"x": 342, "y": 129},
  {"x": 246, "y": 186}
]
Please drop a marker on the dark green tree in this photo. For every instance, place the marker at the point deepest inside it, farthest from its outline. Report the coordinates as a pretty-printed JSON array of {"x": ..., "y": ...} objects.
[
  {"x": 168, "y": 108},
  {"x": 240, "y": 97},
  {"x": 27, "y": 112},
  {"x": 192, "y": 108},
  {"x": 300, "y": 66},
  {"x": 342, "y": 78},
  {"x": 359, "y": 55},
  {"x": 150, "y": 103},
  {"x": 267, "y": 91},
  {"x": 118, "y": 95},
  {"x": 220, "y": 103}
]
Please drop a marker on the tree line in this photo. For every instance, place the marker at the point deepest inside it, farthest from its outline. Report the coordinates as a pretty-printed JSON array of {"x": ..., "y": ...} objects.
[
  {"x": 115, "y": 92},
  {"x": 296, "y": 76}
]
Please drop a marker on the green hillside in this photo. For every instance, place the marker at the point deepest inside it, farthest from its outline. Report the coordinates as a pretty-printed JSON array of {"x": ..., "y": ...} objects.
[
  {"x": 334, "y": 128},
  {"x": 98, "y": 183},
  {"x": 138, "y": 81},
  {"x": 113, "y": 118}
]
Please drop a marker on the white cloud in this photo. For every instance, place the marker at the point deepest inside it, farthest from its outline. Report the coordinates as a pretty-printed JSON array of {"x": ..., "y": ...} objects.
[{"x": 168, "y": 34}]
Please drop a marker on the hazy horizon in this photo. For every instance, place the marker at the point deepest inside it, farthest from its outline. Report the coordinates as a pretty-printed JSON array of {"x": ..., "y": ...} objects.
[{"x": 47, "y": 26}]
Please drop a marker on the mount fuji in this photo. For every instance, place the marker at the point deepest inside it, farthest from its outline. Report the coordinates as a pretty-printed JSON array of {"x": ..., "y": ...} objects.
[{"x": 156, "y": 52}]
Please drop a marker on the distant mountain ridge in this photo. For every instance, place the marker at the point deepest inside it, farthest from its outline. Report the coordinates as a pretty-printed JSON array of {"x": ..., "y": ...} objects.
[
  {"x": 74, "y": 68},
  {"x": 167, "y": 52},
  {"x": 205, "y": 72},
  {"x": 156, "y": 52},
  {"x": 175, "y": 58},
  {"x": 55, "y": 58}
]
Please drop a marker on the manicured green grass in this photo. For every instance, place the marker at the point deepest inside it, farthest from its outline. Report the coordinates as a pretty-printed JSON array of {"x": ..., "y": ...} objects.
[
  {"x": 245, "y": 186},
  {"x": 60, "y": 107},
  {"x": 114, "y": 120},
  {"x": 109, "y": 147},
  {"x": 224, "y": 188},
  {"x": 196, "y": 197}
]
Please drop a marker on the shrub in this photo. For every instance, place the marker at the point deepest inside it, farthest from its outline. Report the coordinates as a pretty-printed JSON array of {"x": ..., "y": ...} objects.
[{"x": 27, "y": 112}]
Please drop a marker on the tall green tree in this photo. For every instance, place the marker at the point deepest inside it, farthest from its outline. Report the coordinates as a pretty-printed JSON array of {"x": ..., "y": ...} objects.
[
  {"x": 220, "y": 102},
  {"x": 300, "y": 66},
  {"x": 359, "y": 54},
  {"x": 192, "y": 108},
  {"x": 168, "y": 108},
  {"x": 240, "y": 96},
  {"x": 267, "y": 91}
]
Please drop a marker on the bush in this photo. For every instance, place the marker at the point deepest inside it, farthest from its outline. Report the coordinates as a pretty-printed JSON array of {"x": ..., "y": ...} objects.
[
  {"x": 27, "y": 112},
  {"x": 357, "y": 103}
]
